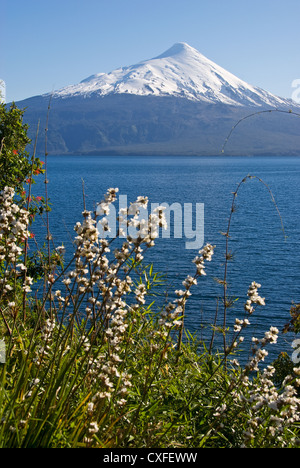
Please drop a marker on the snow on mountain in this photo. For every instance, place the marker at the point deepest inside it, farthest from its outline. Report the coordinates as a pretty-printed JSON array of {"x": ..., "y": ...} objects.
[
  {"x": 179, "y": 103},
  {"x": 181, "y": 71}
]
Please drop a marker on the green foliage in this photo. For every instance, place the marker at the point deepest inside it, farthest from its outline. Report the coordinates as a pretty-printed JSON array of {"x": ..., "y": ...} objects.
[
  {"x": 294, "y": 323},
  {"x": 16, "y": 165},
  {"x": 284, "y": 367},
  {"x": 283, "y": 364}
]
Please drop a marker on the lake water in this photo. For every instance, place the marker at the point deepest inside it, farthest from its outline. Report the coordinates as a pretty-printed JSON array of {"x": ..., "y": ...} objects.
[{"x": 261, "y": 251}]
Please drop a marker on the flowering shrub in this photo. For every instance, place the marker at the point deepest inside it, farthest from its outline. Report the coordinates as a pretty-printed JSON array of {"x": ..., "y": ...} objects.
[{"x": 92, "y": 362}]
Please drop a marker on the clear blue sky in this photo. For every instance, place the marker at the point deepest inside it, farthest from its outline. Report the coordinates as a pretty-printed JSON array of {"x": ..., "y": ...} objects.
[{"x": 48, "y": 44}]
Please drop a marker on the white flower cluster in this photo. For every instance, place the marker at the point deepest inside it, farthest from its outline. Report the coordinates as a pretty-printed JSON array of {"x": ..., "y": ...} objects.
[
  {"x": 103, "y": 282},
  {"x": 283, "y": 406},
  {"x": 108, "y": 366},
  {"x": 87, "y": 235},
  {"x": 239, "y": 325},
  {"x": 109, "y": 198},
  {"x": 205, "y": 255},
  {"x": 93, "y": 269},
  {"x": 259, "y": 351},
  {"x": 13, "y": 233},
  {"x": 143, "y": 228},
  {"x": 92, "y": 248},
  {"x": 262, "y": 403},
  {"x": 254, "y": 298},
  {"x": 172, "y": 315},
  {"x": 13, "y": 226},
  {"x": 47, "y": 331}
]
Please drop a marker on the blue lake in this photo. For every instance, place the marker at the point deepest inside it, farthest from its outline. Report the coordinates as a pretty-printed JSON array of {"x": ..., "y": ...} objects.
[{"x": 261, "y": 251}]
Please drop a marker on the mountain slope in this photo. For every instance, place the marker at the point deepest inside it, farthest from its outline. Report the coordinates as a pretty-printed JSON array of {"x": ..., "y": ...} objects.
[
  {"x": 177, "y": 103},
  {"x": 180, "y": 72}
]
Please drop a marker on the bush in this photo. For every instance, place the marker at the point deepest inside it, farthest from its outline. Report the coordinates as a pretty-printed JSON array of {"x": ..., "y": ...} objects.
[{"x": 16, "y": 166}]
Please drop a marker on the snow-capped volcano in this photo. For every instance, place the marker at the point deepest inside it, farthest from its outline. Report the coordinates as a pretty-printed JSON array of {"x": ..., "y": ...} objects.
[
  {"x": 181, "y": 71},
  {"x": 177, "y": 103}
]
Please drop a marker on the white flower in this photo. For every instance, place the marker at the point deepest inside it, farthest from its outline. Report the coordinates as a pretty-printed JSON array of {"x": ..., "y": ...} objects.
[
  {"x": 90, "y": 407},
  {"x": 93, "y": 428}
]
